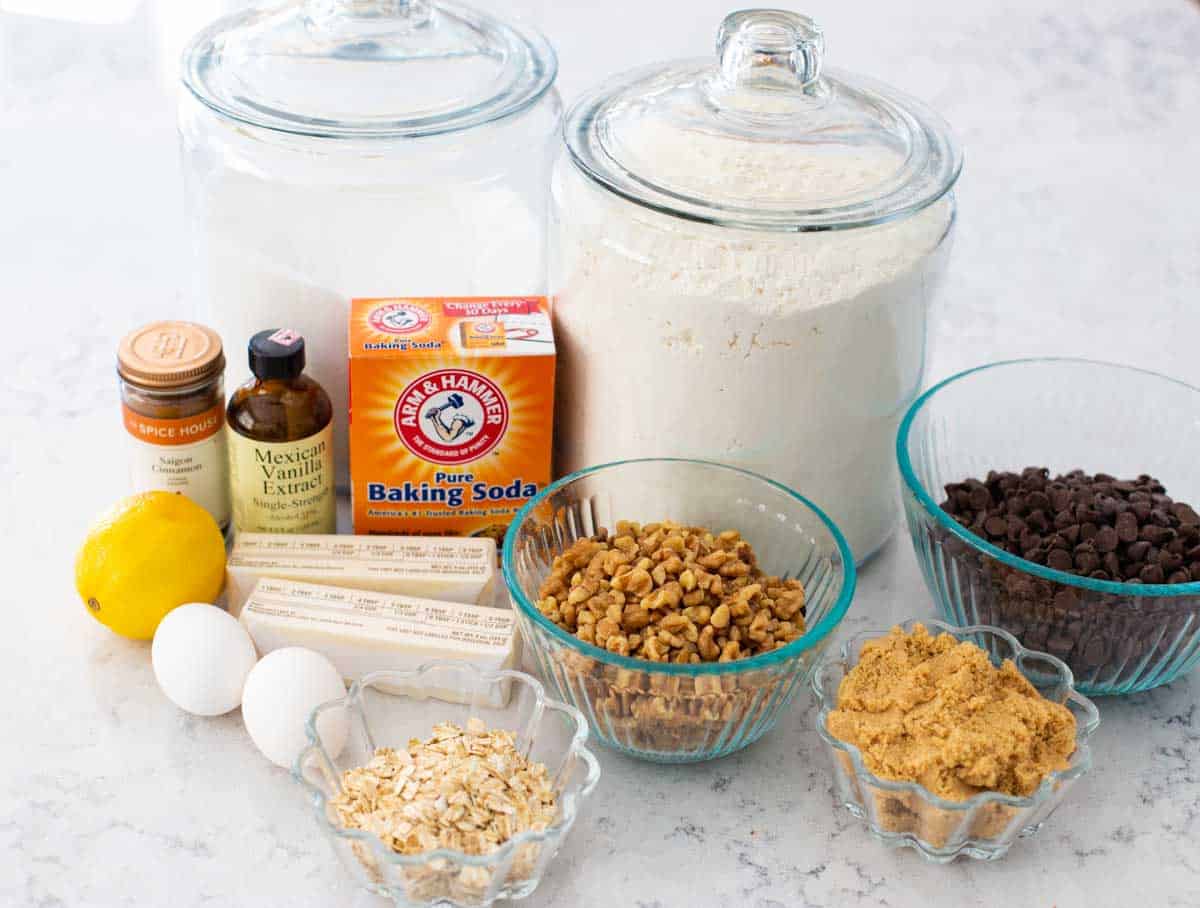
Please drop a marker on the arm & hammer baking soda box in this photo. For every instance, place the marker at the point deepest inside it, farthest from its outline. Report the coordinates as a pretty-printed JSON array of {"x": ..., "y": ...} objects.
[{"x": 451, "y": 412}]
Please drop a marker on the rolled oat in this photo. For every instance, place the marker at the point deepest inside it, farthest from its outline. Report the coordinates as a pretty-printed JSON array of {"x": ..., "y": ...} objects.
[{"x": 466, "y": 789}]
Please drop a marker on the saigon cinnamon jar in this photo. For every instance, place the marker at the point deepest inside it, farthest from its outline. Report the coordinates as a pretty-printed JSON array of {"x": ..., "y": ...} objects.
[{"x": 173, "y": 408}]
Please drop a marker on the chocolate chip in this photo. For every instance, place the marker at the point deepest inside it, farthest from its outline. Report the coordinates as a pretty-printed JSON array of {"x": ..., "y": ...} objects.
[
  {"x": 1127, "y": 527},
  {"x": 1156, "y": 535},
  {"x": 1060, "y": 560},
  {"x": 1160, "y": 518},
  {"x": 1151, "y": 573},
  {"x": 1106, "y": 539},
  {"x": 1060, "y": 498},
  {"x": 996, "y": 526},
  {"x": 980, "y": 497},
  {"x": 1137, "y": 551},
  {"x": 1169, "y": 562},
  {"x": 1185, "y": 514}
]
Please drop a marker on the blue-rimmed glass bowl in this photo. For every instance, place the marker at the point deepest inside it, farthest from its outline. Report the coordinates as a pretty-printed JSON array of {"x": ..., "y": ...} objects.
[
  {"x": 386, "y": 709},
  {"x": 667, "y": 712},
  {"x": 1062, "y": 414},
  {"x": 905, "y": 814}
]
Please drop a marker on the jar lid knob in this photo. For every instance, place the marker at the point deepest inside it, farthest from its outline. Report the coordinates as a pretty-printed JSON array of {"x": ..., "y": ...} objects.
[
  {"x": 770, "y": 49},
  {"x": 367, "y": 16}
]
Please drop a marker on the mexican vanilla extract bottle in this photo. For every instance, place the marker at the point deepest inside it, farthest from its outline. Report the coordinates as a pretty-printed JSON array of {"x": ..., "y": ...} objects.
[{"x": 281, "y": 443}]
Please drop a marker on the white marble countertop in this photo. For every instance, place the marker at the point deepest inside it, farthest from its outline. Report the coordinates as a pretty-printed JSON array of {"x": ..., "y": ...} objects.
[{"x": 1078, "y": 234}]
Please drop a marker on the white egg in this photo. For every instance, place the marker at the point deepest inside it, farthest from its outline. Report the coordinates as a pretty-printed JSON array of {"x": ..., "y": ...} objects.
[
  {"x": 201, "y": 657},
  {"x": 281, "y": 691}
]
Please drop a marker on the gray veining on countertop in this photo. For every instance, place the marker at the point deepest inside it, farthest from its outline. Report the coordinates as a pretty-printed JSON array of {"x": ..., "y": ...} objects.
[{"x": 1078, "y": 234}]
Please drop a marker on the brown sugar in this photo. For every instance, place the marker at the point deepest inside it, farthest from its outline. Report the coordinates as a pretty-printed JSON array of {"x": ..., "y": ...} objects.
[{"x": 935, "y": 711}]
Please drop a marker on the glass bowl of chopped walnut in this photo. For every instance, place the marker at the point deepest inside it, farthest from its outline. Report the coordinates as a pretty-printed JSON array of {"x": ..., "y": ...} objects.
[
  {"x": 455, "y": 786},
  {"x": 678, "y": 604}
]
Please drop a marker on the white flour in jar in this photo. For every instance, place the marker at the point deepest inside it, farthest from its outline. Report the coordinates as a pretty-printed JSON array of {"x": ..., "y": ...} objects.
[{"x": 793, "y": 355}]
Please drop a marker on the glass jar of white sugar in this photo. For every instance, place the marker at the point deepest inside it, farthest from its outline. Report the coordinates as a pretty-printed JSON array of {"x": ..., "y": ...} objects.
[
  {"x": 336, "y": 149},
  {"x": 744, "y": 255}
]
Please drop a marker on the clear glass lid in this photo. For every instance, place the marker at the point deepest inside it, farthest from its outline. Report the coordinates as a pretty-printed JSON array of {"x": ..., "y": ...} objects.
[
  {"x": 367, "y": 68},
  {"x": 764, "y": 136}
]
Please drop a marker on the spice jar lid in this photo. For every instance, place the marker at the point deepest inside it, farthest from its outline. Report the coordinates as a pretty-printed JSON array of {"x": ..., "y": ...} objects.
[
  {"x": 764, "y": 136},
  {"x": 367, "y": 68},
  {"x": 170, "y": 354},
  {"x": 276, "y": 353}
]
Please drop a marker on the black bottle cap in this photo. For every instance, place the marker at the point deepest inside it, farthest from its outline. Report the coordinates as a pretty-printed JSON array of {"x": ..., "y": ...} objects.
[{"x": 276, "y": 353}]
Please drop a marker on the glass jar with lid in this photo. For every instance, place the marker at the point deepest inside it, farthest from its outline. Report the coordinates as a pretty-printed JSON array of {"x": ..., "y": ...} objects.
[
  {"x": 362, "y": 148},
  {"x": 744, "y": 255}
]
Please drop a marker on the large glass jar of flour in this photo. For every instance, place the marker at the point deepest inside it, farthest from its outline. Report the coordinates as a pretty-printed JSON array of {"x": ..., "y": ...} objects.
[
  {"x": 744, "y": 257},
  {"x": 362, "y": 148}
]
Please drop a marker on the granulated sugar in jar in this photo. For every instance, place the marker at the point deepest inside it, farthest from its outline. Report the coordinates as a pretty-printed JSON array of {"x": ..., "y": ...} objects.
[{"x": 336, "y": 149}]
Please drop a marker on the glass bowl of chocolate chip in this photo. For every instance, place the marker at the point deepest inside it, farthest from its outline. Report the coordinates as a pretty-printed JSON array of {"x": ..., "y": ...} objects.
[
  {"x": 1058, "y": 499},
  {"x": 678, "y": 604}
]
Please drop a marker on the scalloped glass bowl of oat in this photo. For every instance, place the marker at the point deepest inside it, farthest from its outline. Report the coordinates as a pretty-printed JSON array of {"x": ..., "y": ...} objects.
[
  {"x": 673, "y": 712},
  {"x": 396, "y": 710},
  {"x": 906, "y": 814}
]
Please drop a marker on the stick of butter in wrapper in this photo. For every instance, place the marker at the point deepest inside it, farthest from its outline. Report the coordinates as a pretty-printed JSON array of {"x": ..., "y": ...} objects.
[
  {"x": 447, "y": 569},
  {"x": 361, "y": 631}
]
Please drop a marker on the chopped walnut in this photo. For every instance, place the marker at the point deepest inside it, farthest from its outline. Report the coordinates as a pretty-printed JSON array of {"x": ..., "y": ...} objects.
[{"x": 671, "y": 593}]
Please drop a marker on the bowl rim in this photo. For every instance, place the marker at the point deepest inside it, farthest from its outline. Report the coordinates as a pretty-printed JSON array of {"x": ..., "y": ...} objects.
[
  {"x": 929, "y": 505},
  {"x": 1083, "y": 732},
  {"x": 571, "y": 800},
  {"x": 805, "y": 642}
]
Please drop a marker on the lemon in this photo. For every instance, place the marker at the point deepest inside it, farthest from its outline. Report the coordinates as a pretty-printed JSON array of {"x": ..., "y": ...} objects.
[{"x": 149, "y": 554}]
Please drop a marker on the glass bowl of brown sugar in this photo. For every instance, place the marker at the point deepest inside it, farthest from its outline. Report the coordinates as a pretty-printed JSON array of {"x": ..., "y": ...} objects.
[{"x": 1003, "y": 747}]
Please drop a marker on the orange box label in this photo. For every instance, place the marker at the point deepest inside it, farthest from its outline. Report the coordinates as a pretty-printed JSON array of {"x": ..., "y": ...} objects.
[{"x": 451, "y": 412}]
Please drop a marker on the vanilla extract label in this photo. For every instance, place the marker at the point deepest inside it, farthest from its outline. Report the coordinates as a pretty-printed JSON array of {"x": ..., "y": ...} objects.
[{"x": 283, "y": 487}]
